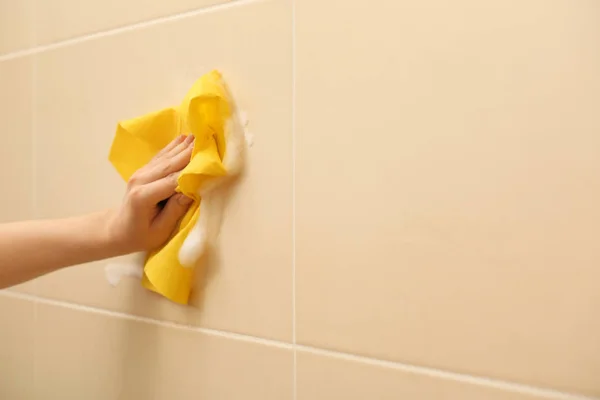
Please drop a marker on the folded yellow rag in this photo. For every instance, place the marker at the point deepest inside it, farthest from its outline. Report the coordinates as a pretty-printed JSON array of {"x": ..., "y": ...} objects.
[{"x": 205, "y": 113}]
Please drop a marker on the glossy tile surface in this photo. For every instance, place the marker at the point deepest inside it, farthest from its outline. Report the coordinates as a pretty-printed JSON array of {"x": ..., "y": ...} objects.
[
  {"x": 428, "y": 197},
  {"x": 16, "y": 25},
  {"x": 16, "y": 168},
  {"x": 448, "y": 183},
  {"x": 15, "y": 139},
  {"x": 86, "y": 355},
  {"x": 16, "y": 348},
  {"x": 245, "y": 283},
  {"x": 323, "y": 377},
  {"x": 58, "y": 20}
]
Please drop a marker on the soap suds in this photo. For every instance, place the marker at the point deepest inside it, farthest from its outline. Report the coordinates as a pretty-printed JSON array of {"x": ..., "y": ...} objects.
[
  {"x": 244, "y": 121},
  {"x": 198, "y": 238},
  {"x": 133, "y": 267},
  {"x": 195, "y": 243},
  {"x": 237, "y": 138},
  {"x": 249, "y": 138}
]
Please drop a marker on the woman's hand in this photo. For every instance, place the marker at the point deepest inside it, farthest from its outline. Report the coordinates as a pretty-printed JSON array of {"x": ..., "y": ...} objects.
[
  {"x": 144, "y": 221},
  {"x": 151, "y": 208}
]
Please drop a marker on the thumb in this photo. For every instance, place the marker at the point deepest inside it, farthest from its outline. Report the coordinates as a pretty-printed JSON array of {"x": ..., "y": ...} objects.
[{"x": 175, "y": 208}]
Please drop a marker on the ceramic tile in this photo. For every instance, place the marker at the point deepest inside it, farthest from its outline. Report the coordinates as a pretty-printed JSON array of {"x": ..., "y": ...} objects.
[
  {"x": 58, "y": 20},
  {"x": 92, "y": 356},
  {"x": 15, "y": 139},
  {"x": 244, "y": 285},
  {"x": 448, "y": 183},
  {"x": 323, "y": 377},
  {"x": 16, "y": 348},
  {"x": 15, "y": 143},
  {"x": 16, "y": 25}
]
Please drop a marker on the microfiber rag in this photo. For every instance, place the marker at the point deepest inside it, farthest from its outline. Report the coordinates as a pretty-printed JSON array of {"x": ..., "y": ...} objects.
[{"x": 206, "y": 112}]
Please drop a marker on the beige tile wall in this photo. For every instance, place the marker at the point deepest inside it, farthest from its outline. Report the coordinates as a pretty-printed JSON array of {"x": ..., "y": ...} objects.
[
  {"x": 247, "y": 290},
  {"x": 419, "y": 216},
  {"x": 16, "y": 133},
  {"x": 457, "y": 164}
]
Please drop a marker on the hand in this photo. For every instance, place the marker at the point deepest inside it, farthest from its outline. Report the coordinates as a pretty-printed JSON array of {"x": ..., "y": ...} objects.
[{"x": 151, "y": 208}]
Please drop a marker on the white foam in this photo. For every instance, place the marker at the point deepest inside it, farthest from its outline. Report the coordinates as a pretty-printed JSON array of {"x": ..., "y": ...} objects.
[
  {"x": 133, "y": 267},
  {"x": 237, "y": 138},
  {"x": 199, "y": 237}
]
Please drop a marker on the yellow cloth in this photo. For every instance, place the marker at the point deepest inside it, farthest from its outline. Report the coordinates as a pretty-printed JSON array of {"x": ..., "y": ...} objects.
[{"x": 203, "y": 113}]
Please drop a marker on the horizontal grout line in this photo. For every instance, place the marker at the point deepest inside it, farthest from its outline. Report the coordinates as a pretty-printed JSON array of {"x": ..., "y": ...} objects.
[
  {"x": 127, "y": 28},
  {"x": 147, "y": 320},
  {"x": 399, "y": 366},
  {"x": 448, "y": 375}
]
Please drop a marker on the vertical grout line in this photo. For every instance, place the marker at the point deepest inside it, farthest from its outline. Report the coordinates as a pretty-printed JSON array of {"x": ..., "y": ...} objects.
[
  {"x": 34, "y": 211},
  {"x": 33, "y": 127},
  {"x": 538, "y": 392},
  {"x": 294, "y": 346}
]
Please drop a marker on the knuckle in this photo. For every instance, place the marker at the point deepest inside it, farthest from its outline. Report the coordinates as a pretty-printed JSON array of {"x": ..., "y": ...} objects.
[
  {"x": 136, "y": 195},
  {"x": 173, "y": 176},
  {"x": 133, "y": 181},
  {"x": 166, "y": 167}
]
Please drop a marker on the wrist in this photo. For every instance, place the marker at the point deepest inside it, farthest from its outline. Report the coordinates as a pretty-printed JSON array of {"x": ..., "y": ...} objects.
[{"x": 111, "y": 236}]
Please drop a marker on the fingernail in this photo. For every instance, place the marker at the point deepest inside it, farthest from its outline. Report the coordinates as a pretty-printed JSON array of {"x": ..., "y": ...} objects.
[
  {"x": 189, "y": 139},
  {"x": 184, "y": 200}
]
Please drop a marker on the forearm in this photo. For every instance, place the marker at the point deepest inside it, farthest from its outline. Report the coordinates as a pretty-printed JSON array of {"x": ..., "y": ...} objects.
[{"x": 33, "y": 248}]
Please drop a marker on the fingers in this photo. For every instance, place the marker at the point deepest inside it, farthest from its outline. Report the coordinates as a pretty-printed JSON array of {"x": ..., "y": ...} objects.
[
  {"x": 170, "y": 165},
  {"x": 160, "y": 190},
  {"x": 171, "y": 161},
  {"x": 178, "y": 140},
  {"x": 175, "y": 209},
  {"x": 180, "y": 146}
]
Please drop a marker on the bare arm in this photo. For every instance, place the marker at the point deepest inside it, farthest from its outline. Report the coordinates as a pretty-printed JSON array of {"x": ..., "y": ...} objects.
[
  {"x": 144, "y": 221},
  {"x": 32, "y": 248}
]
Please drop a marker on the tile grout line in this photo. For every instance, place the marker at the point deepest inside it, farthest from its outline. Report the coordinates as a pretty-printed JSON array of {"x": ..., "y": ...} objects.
[
  {"x": 34, "y": 178},
  {"x": 432, "y": 372},
  {"x": 295, "y": 347},
  {"x": 147, "y": 320},
  {"x": 340, "y": 355},
  {"x": 126, "y": 28}
]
